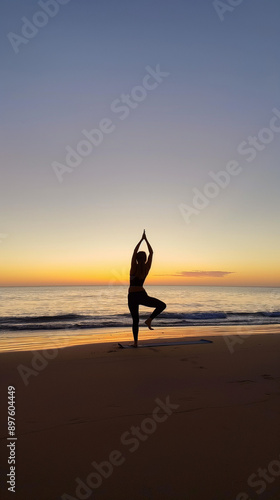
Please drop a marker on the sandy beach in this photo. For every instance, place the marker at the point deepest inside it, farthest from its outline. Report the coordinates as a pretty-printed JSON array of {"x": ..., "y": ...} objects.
[
  {"x": 180, "y": 422},
  {"x": 140, "y": 206}
]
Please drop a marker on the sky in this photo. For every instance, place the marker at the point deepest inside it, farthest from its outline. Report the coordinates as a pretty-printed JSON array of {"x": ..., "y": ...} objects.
[{"x": 124, "y": 116}]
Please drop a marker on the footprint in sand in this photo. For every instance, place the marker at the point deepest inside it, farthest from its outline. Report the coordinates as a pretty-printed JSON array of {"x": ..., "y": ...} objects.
[
  {"x": 192, "y": 362},
  {"x": 267, "y": 377},
  {"x": 241, "y": 381}
]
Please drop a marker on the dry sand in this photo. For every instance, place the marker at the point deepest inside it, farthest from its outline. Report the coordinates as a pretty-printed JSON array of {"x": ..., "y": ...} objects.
[{"x": 95, "y": 403}]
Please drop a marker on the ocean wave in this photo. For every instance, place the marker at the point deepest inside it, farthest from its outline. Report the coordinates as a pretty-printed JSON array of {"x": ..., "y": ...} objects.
[
  {"x": 41, "y": 319},
  {"x": 274, "y": 314},
  {"x": 201, "y": 315},
  {"x": 77, "y": 321}
]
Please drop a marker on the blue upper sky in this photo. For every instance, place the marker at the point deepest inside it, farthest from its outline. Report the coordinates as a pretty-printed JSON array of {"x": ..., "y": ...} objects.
[{"x": 222, "y": 86}]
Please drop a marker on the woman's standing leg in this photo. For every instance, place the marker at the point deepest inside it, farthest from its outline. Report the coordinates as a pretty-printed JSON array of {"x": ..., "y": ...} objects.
[
  {"x": 133, "y": 305},
  {"x": 159, "y": 306}
]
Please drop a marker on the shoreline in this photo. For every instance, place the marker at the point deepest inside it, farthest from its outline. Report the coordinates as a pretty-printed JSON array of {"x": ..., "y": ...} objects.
[{"x": 39, "y": 340}]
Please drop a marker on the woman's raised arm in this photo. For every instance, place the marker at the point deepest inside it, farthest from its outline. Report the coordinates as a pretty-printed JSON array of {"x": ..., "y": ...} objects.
[
  {"x": 133, "y": 259},
  {"x": 150, "y": 258}
]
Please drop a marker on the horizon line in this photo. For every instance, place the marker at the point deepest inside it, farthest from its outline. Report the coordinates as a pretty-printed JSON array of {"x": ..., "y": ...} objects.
[{"x": 110, "y": 285}]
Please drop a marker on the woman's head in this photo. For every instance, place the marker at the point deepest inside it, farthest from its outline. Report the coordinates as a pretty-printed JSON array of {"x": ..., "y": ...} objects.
[{"x": 141, "y": 257}]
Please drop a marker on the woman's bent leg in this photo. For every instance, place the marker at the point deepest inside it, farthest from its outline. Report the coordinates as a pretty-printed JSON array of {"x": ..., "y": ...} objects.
[
  {"x": 134, "y": 311},
  {"x": 159, "y": 305}
]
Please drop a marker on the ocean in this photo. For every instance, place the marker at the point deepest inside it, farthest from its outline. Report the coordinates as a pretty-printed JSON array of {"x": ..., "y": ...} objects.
[{"x": 96, "y": 307}]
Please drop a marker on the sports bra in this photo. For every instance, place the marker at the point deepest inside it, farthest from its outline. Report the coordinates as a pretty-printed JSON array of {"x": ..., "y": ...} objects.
[{"x": 136, "y": 281}]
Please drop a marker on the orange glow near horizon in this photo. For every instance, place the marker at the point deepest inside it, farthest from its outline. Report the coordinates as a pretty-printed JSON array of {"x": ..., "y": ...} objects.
[
  {"x": 90, "y": 262},
  {"x": 66, "y": 276}
]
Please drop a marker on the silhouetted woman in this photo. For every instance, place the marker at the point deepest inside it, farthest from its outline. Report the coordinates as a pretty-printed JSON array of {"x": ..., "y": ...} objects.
[{"x": 140, "y": 268}]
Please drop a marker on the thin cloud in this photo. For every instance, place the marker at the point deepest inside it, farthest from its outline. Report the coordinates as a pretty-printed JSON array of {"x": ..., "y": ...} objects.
[{"x": 200, "y": 274}]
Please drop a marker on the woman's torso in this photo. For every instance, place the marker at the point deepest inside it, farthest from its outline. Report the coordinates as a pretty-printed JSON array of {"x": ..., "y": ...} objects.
[{"x": 136, "y": 283}]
